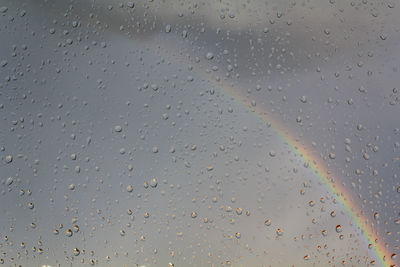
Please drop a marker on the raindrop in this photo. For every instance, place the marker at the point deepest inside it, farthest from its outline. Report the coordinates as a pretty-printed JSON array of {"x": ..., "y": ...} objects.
[
  {"x": 279, "y": 232},
  {"x": 209, "y": 56},
  {"x": 9, "y": 159},
  {"x": 118, "y": 128},
  {"x": 9, "y": 181},
  {"x": 239, "y": 211},
  {"x": 153, "y": 182},
  {"x": 76, "y": 252},
  {"x": 68, "y": 232},
  {"x": 129, "y": 188}
]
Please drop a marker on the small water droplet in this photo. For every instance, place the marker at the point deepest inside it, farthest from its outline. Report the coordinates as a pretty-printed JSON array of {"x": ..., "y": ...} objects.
[
  {"x": 238, "y": 235},
  {"x": 279, "y": 232},
  {"x": 209, "y": 56},
  {"x": 76, "y": 252},
  {"x": 153, "y": 182},
  {"x": 68, "y": 232},
  {"x": 9, "y": 159}
]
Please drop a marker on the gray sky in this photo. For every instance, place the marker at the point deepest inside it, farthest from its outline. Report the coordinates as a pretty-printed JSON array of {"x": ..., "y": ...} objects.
[{"x": 123, "y": 132}]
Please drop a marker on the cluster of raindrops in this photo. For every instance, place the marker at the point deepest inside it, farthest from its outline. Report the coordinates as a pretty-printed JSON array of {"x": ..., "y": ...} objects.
[{"x": 163, "y": 133}]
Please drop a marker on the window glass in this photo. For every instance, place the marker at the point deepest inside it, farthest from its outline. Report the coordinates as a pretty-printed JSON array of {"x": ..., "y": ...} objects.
[{"x": 199, "y": 133}]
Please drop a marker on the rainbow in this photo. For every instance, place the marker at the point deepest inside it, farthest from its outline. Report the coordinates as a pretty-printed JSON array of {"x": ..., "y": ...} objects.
[
  {"x": 335, "y": 188},
  {"x": 371, "y": 236}
]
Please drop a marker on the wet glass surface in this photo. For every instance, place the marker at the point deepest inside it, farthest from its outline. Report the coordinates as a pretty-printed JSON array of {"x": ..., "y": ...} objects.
[{"x": 199, "y": 133}]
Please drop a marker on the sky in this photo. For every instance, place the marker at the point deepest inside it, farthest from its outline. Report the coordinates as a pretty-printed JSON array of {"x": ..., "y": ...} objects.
[{"x": 199, "y": 133}]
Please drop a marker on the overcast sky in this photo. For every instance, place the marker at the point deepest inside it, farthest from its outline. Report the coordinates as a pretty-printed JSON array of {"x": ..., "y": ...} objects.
[{"x": 127, "y": 136}]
